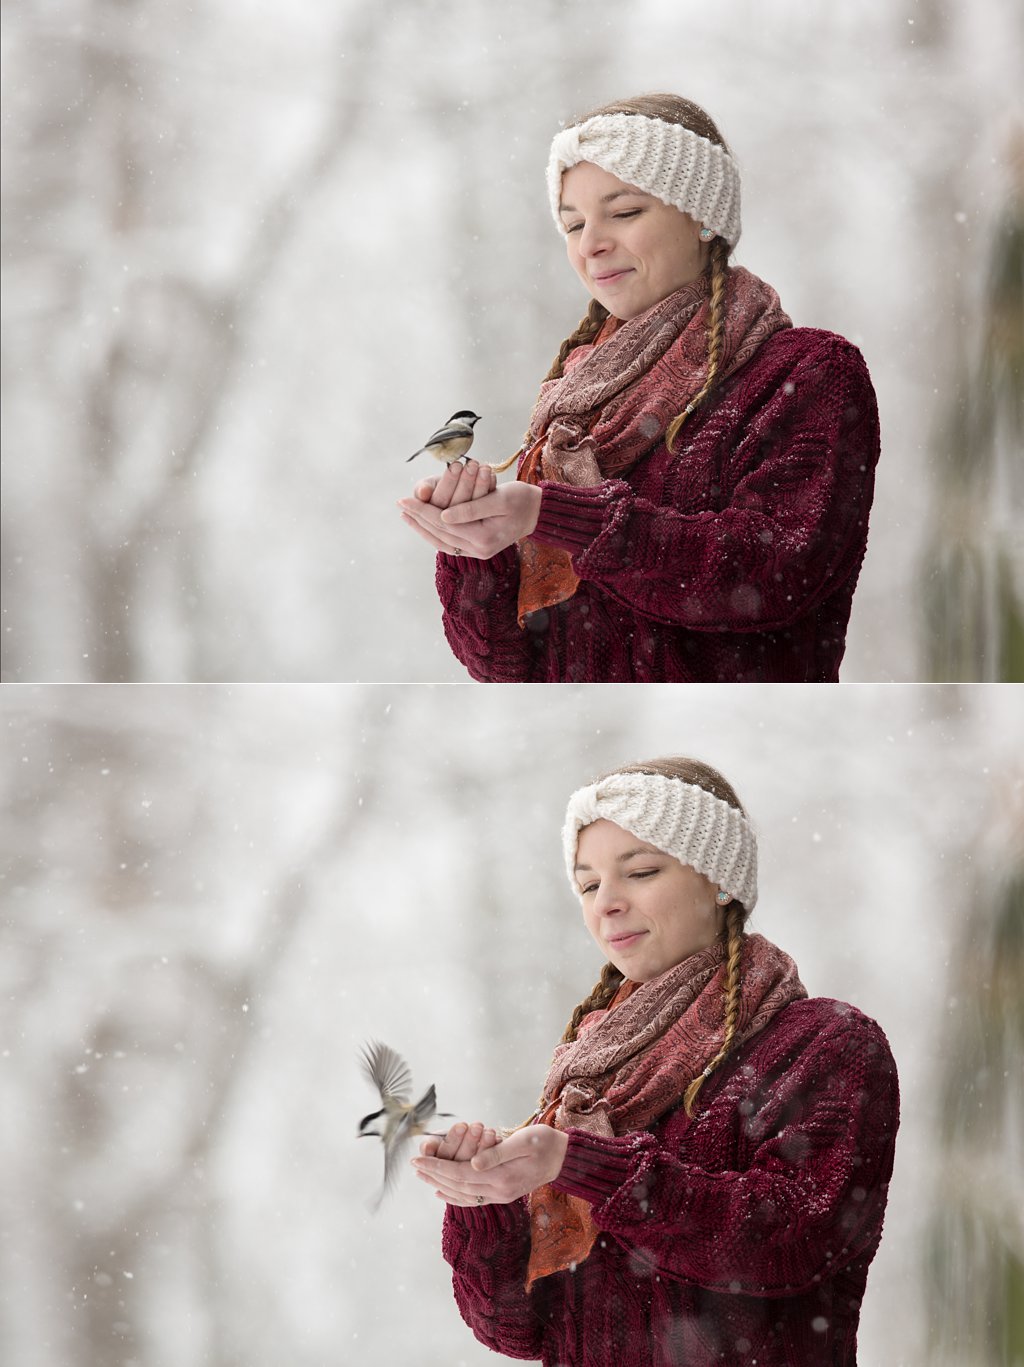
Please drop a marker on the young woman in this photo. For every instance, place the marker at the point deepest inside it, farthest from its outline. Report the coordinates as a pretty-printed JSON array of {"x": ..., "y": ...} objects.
[
  {"x": 705, "y": 1177},
  {"x": 693, "y": 494}
]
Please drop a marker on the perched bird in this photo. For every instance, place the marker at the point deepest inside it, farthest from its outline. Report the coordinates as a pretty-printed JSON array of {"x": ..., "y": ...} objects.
[
  {"x": 398, "y": 1120},
  {"x": 453, "y": 440}
]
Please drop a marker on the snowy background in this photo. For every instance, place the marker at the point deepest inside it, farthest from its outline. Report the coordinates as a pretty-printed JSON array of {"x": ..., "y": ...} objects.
[
  {"x": 213, "y": 895},
  {"x": 254, "y": 254}
]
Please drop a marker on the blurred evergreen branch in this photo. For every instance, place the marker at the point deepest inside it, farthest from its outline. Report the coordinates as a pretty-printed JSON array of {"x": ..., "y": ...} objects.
[
  {"x": 973, "y": 596},
  {"x": 975, "y": 1257}
]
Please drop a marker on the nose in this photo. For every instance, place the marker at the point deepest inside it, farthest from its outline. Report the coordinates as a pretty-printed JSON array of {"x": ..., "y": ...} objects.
[
  {"x": 610, "y": 899},
  {"x": 593, "y": 238}
]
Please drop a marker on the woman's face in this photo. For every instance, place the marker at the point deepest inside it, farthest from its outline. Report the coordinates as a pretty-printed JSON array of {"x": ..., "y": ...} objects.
[
  {"x": 646, "y": 911},
  {"x": 629, "y": 249}
]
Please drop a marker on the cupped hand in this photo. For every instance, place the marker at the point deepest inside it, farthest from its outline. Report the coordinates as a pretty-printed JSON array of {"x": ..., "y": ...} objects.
[
  {"x": 478, "y": 526},
  {"x": 497, "y": 1172},
  {"x": 461, "y": 482},
  {"x": 460, "y": 1144}
]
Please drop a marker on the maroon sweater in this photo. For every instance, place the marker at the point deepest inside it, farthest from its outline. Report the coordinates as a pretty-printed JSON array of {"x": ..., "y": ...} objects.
[
  {"x": 741, "y": 1236},
  {"x": 733, "y": 560}
]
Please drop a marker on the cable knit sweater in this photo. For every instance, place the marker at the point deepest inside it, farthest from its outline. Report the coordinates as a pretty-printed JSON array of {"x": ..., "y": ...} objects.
[
  {"x": 742, "y": 1236},
  {"x": 733, "y": 560}
]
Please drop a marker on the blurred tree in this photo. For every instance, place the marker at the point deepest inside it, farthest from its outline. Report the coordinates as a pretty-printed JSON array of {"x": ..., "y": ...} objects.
[
  {"x": 972, "y": 571},
  {"x": 975, "y": 1253},
  {"x": 125, "y": 329}
]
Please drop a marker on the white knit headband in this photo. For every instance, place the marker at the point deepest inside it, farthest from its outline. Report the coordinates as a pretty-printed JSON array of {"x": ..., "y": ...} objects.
[
  {"x": 680, "y": 819},
  {"x": 663, "y": 159}
]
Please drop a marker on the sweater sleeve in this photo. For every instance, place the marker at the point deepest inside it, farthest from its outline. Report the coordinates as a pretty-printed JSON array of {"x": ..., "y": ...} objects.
[
  {"x": 801, "y": 471},
  {"x": 479, "y": 601},
  {"x": 488, "y": 1250},
  {"x": 809, "y": 1203}
]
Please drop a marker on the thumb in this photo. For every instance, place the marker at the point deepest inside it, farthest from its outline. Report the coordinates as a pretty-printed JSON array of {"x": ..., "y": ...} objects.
[
  {"x": 488, "y": 1158},
  {"x": 472, "y": 511}
]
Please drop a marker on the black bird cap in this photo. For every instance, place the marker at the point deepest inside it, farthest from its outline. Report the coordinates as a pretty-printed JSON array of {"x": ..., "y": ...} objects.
[
  {"x": 363, "y": 1132},
  {"x": 466, "y": 413}
]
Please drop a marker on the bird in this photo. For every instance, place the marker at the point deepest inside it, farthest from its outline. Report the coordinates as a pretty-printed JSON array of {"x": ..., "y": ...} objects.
[
  {"x": 453, "y": 440},
  {"x": 398, "y": 1120}
]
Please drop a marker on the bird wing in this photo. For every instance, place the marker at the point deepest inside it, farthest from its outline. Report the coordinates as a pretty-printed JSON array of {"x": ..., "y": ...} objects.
[
  {"x": 388, "y": 1072},
  {"x": 412, "y": 1123},
  {"x": 424, "y": 1108},
  {"x": 460, "y": 429}
]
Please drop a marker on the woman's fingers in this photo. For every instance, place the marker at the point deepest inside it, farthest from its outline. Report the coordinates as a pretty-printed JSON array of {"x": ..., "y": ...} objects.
[
  {"x": 478, "y": 537},
  {"x": 445, "y": 486},
  {"x": 460, "y": 1144},
  {"x": 457, "y": 1183},
  {"x": 459, "y": 484},
  {"x": 424, "y": 491},
  {"x": 466, "y": 483},
  {"x": 428, "y": 535}
]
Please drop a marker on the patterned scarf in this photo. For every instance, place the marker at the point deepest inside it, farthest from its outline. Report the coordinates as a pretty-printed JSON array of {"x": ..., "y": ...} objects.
[
  {"x": 618, "y": 395},
  {"x": 632, "y": 1063}
]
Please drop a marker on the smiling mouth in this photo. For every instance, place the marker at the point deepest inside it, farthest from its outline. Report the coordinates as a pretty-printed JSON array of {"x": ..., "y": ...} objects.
[
  {"x": 626, "y": 939},
  {"x": 611, "y": 275}
]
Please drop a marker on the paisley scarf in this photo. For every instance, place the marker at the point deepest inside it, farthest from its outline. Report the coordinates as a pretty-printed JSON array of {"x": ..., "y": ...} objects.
[
  {"x": 632, "y": 1062},
  {"x": 618, "y": 395}
]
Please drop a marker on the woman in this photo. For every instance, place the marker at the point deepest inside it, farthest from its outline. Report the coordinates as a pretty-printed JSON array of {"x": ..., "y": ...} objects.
[
  {"x": 707, "y": 1171},
  {"x": 693, "y": 494}
]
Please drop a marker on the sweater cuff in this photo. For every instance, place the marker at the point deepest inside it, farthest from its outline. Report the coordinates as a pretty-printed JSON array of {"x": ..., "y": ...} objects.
[
  {"x": 570, "y": 517},
  {"x": 595, "y": 1166},
  {"x": 495, "y": 1222},
  {"x": 504, "y": 562}
]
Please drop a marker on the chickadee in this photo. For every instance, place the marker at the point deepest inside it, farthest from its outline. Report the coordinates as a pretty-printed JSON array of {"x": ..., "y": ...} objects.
[
  {"x": 453, "y": 440},
  {"x": 398, "y": 1120}
]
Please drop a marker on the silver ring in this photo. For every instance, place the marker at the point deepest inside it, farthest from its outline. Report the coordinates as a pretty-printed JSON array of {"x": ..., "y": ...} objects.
[
  {"x": 456, "y": 551},
  {"x": 479, "y": 1200}
]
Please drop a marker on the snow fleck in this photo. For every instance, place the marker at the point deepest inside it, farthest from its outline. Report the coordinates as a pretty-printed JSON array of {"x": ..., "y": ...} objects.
[{"x": 819, "y": 1324}]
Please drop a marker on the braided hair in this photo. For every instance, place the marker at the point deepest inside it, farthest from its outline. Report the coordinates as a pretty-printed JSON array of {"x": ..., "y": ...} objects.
[
  {"x": 703, "y": 776},
  {"x": 670, "y": 109}
]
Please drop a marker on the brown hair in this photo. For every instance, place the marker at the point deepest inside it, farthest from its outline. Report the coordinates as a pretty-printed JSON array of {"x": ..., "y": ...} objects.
[
  {"x": 670, "y": 109},
  {"x": 736, "y": 914}
]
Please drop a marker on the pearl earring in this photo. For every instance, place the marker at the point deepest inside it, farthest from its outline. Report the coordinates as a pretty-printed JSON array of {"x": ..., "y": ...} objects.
[
  {"x": 706, "y": 234},
  {"x": 722, "y": 898}
]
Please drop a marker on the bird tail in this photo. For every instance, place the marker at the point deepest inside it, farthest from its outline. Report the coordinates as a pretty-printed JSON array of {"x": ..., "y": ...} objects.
[{"x": 415, "y": 454}]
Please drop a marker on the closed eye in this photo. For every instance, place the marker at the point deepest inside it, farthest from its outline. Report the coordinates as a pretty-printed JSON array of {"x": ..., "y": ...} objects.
[
  {"x": 625, "y": 213},
  {"x": 586, "y": 888}
]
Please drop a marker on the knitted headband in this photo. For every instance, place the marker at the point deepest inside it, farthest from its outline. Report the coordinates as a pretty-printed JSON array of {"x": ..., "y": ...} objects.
[
  {"x": 666, "y": 160},
  {"x": 680, "y": 819}
]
